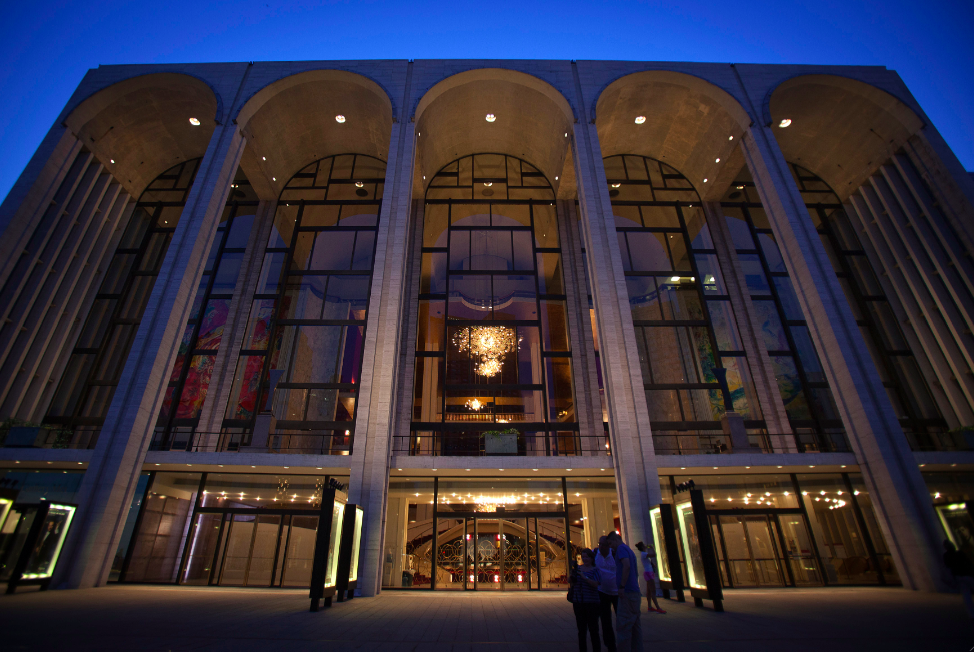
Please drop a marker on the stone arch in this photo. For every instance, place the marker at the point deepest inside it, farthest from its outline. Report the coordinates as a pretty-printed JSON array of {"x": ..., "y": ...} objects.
[
  {"x": 291, "y": 123},
  {"x": 142, "y": 124},
  {"x": 689, "y": 124},
  {"x": 841, "y": 129},
  {"x": 533, "y": 122}
]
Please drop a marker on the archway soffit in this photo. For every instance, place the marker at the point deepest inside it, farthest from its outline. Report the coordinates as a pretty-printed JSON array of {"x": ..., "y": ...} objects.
[
  {"x": 260, "y": 97},
  {"x": 721, "y": 95},
  {"x": 511, "y": 75},
  {"x": 80, "y": 104}
]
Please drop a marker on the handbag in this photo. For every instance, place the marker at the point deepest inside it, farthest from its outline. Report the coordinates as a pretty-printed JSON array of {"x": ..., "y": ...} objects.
[{"x": 572, "y": 583}]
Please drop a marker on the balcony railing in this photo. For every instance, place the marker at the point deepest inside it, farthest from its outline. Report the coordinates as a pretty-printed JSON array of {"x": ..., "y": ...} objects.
[
  {"x": 227, "y": 441},
  {"x": 512, "y": 444}
]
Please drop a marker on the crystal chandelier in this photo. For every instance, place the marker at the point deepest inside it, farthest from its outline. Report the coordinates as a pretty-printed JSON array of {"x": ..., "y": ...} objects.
[
  {"x": 474, "y": 405},
  {"x": 489, "y": 343}
]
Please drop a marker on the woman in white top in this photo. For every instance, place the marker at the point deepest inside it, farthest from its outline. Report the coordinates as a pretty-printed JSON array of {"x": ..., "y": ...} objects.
[{"x": 648, "y": 556}]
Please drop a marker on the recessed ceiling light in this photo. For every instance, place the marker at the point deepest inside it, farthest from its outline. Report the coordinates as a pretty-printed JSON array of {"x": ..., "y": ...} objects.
[
  {"x": 264, "y": 157},
  {"x": 534, "y": 469},
  {"x": 491, "y": 117},
  {"x": 566, "y": 134},
  {"x": 784, "y": 123},
  {"x": 194, "y": 121},
  {"x": 740, "y": 187},
  {"x": 717, "y": 161},
  {"x": 705, "y": 180},
  {"x": 675, "y": 279},
  {"x": 616, "y": 185},
  {"x": 113, "y": 161},
  {"x": 556, "y": 178},
  {"x": 339, "y": 118},
  {"x": 640, "y": 119},
  {"x": 731, "y": 138},
  {"x": 359, "y": 184},
  {"x": 273, "y": 178},
  {"x": 488, "y": 184}
]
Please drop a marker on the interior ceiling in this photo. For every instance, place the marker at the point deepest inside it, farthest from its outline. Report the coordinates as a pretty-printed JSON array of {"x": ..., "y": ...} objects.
[
  {"x": 143, "y": 124},
  {"x": 841, "y": 129},
  {"x": 295, "y": 125},
  {"x": 688, "y": 126},
  {"x": 529, "y": 124}
]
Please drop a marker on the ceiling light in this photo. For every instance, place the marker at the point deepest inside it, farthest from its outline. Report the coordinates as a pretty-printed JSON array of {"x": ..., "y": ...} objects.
[
  {"x": 731, "y": 138},
  {"x": 339, "y": 118},
  {"x": 705, "y": 181},
  {"x": 740, "y": 187},
  {"x": 194, "y": 121},
  {"x": 556, "y": 178},
  {"x": 675, "y": 279},
  {"x": 359, "y": 184},
  {"x": 534, "y": 469},
  {"x": 566, "y": 134},
  {"x": 488, "y": 184},
  {"x": 784, "y": 123},
  {"x": 717, "y": 161},
  {"x": 491, "y": 117},
  {"x": 640, "y": 119},
  {"x": 112, "y": 161},
  {"x": 273, "y": 178},
  {"x": 616, "y": 185},
  {"x": 264, "y": 157}
]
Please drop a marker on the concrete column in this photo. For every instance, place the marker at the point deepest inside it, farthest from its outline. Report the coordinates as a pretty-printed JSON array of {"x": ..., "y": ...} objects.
[
  {"x": 951, "y": 185},
  {"x": 749, "y": 327},
  {"x": 109, "y": 483},
  {"x": 75, "y": 296},
  {"x": 633, "y": 455},
  {"x": 234, "y": 331},
  {"x": 889, "y": 470},
  {"x": 376, "y": 408},
  {"x": 936, "y": 310}
]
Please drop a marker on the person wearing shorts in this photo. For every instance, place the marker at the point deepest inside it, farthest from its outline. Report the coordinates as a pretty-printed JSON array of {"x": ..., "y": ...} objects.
[{"x": 648, "y": 556}]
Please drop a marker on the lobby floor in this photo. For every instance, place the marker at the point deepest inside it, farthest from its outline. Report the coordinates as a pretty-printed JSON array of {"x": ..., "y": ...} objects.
[{"x": 184, "y": 618}]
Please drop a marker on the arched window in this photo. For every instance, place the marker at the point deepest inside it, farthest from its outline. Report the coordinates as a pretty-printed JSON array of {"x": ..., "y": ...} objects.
[
  {"x": 304, "y": 340},
  {"x": 686, "y": 330},
  {"x": 95, "y": 366},
  {"x": 911, "y": 397},
  {"x": 493, "y": 371}
]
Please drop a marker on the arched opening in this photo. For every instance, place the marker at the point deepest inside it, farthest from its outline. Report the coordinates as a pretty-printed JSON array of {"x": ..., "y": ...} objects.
[
  {"x": 305, "y": 336},
  {"x": 678, "y": 119},
  {"x": 493, "y": 371},
  {"x": 142, "y": 126},
  {"x": 840, "y": 129},
  {"x": 493, "y": 110},
  {"x": 690, "y": 351},
  {"x": 91, "y": 376},
  {"x": 303, "y": 118}
]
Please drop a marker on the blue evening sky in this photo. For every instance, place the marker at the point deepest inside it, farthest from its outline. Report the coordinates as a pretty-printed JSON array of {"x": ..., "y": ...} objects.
[{"x": 45, "y": 48}]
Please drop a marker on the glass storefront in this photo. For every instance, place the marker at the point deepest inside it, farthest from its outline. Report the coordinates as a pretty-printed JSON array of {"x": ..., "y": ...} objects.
[
  {"x": 225, "y": 529},
  {"x": 786, "y": 530},
  {"x": 492, "y": 533}
]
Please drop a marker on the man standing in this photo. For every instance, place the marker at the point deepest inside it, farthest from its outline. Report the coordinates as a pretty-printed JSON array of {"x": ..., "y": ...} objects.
[
  {"x": 629, "y": 633},
  {"x": 605, "y": 561}
]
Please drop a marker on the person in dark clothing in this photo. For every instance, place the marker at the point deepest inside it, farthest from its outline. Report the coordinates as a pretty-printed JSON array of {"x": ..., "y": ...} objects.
[
  {"x": 962, "y": 569},
  {"x": 584, "y": 590}
]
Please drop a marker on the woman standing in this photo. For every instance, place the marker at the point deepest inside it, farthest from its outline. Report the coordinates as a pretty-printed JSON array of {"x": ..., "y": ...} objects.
[
  {"x": 584, "y": 595},
  {"x": 648, "y": 556}
]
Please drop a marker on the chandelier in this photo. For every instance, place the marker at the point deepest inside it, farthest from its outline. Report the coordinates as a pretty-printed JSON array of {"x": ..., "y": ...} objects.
[
  {"x": 474, "y": 405},
  {"x": 489, "y": 344}
]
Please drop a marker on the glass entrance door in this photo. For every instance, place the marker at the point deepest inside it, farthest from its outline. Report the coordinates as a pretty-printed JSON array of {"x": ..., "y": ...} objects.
[{"x": 750, "y": 551}]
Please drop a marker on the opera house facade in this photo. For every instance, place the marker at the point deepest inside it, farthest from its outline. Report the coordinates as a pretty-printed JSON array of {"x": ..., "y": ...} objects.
[{"x": 511, "y": 305}]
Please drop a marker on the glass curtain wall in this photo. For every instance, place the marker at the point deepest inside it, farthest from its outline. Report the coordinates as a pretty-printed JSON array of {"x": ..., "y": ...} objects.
[
  {"x": 190, "y": 375},
  {"x": 493, "y": 361},
  {"x": 305, "y": 335},
  {"x": 685, "y": 327},
  {"x": 93, "y": 370},
  {"x": 908, "y": 390},
  {"x": 804, "y": 389}
]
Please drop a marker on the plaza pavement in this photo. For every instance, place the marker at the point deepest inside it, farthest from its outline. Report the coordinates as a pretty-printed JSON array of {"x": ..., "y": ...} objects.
[{"x": 164, "y": 618}]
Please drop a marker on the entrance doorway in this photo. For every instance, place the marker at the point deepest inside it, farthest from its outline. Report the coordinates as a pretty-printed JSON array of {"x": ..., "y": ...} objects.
[
  {"x": 240, "y": 548},
  {"x": 486, "y": 552},
  {"x": 764, "y": 548}
]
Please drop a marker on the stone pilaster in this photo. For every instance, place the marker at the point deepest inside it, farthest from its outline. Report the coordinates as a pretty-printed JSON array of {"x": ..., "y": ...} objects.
[
  {"x": 633, "y": 455},
  {"x": 369, "y": 477}
]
